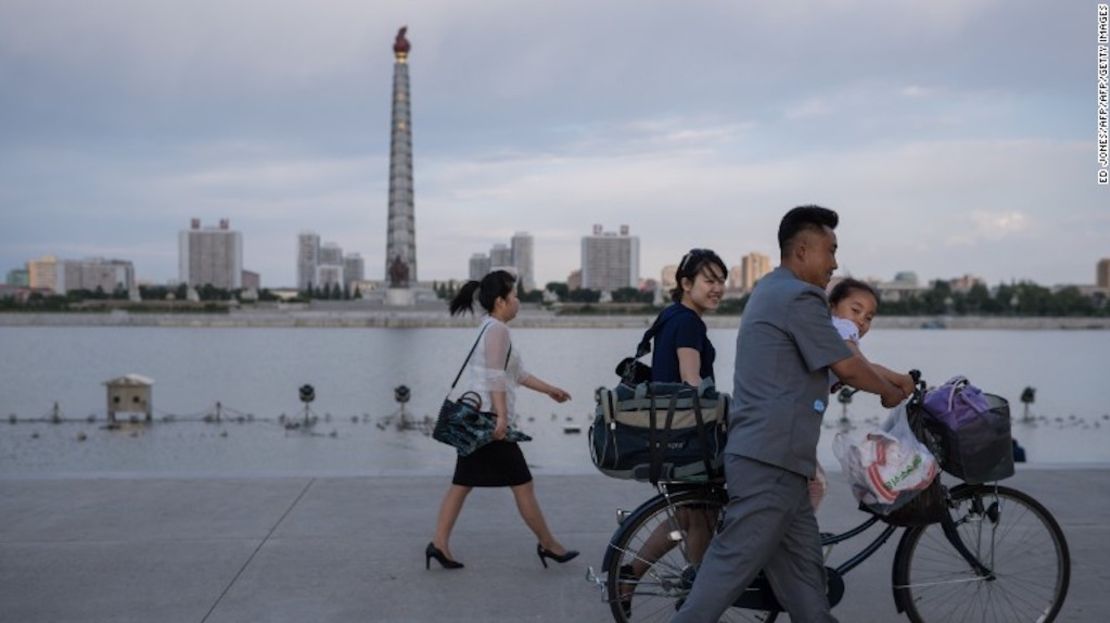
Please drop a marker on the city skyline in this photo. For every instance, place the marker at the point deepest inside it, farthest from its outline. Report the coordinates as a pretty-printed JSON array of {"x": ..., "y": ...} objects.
[
  {"x": 941, "y": 155},
  {"x": 314, "y": 255}
]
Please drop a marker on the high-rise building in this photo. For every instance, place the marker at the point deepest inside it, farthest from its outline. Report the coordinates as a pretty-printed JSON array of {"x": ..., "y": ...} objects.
[
  {"x": 1102, "y": 273},
  {"x": 331, "y": 254},
  {"x": 354, "y": 268},
  {"x": 96, "y": 273},
  {"x": 753, "y": 267},
  {"x": 668, "y": 279},
  {"x": 500, "y": 257},
  {"x": 328, "y": 275},
  {"x": 308, "y": 256},
  {"x": 574, "y": 280},
  {"x": 735, "y": 277},
  {"x": 210, "y": 255},
  {"x": 400, "y": 254},
  {"x": 479, "y": 266},
  {"x": 610, "y": 261},
  {"x": 43, "y": 273},
  {"x": 251, "y": 280},
  {"x": 522, "y": 252},
  {"x": 18, "y": 277}
]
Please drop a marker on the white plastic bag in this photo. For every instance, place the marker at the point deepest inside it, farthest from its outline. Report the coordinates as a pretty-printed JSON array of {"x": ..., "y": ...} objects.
[{"x": 887, "y": 467}]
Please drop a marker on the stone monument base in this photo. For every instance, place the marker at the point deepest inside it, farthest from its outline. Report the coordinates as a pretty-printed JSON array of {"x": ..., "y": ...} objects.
[
  {"x": 416, "y": 296},
  {"x": 400, "y": 297}
]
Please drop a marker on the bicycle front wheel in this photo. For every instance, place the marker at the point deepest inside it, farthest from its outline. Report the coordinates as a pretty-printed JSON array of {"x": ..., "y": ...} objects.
[
  {"x": 655, "y": 554},
  {"x": 1018, "y": 542}
]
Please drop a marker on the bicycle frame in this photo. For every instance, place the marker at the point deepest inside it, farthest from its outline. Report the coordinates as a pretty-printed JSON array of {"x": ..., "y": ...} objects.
[
  {"x": 759, "y": 595},
  {"x": 948, "y": 525},
  {"x": 864, "y": 553}
]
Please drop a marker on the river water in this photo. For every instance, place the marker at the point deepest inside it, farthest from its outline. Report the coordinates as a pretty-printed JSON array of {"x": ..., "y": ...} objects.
[{"x": 354, "y": 371}]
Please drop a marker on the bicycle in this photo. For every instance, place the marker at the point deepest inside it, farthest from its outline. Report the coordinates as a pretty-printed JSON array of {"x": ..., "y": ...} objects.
[{"x": 997, "y": 554}]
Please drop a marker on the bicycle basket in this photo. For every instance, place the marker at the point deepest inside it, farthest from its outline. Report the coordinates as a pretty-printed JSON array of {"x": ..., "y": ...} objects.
[
  {"x": 927, "y": 507},
  {"x": 975, "y": 449}
]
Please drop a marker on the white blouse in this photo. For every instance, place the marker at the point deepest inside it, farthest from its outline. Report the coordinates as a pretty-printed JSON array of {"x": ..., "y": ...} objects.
[
  {"x": 849, "y": 332},
  {"x": 847, "y": 329},
  {"x": 487, "y": 370}
]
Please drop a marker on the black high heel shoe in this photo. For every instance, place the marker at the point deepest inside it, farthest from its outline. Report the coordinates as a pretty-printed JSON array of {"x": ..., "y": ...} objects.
[
  {"x": 545, "y": 554},
  {"x": 432, "y": 551}
]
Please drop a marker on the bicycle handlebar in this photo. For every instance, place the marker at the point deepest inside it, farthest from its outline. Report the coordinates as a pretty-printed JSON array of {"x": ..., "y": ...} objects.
[{"x": 916, "y": 398}]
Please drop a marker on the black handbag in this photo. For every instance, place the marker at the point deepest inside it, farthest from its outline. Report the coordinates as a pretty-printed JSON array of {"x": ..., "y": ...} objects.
[{"x": 461, "y": 423}]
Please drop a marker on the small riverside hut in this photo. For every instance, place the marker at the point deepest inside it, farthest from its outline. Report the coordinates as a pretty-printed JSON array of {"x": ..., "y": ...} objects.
[{"x": 130, "y": 393}]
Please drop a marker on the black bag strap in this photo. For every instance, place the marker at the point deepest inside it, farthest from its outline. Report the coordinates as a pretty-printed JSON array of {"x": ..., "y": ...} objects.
[
  {"x": 653, "y": 476},
  {"x": 668, "y": 432},
  {"x": 645, "y": 342},
  {"x": 658, "y": 448},
  {"x": 468, "y": 356},
  {"x": 460, "y": 375},
  {"x": 703, "y": 437}
]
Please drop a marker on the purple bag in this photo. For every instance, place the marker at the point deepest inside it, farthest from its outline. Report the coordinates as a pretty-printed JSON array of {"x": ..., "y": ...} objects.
[
  {"x": 957, "y": 403},
  {"x": 972, "y": 430}
]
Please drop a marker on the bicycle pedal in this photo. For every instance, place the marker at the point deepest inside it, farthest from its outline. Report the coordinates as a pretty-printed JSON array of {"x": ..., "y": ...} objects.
[{"x": 595, "y": 579}]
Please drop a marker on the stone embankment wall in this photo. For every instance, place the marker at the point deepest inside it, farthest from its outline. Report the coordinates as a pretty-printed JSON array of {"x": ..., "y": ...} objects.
[{"x": 527, "y": 319}]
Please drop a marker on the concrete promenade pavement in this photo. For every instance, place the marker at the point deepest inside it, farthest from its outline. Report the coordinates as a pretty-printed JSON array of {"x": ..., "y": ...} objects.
[{"x": 351, "y": 549}]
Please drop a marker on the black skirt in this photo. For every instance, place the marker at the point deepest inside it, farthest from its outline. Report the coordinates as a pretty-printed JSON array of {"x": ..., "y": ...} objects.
[{"x": 496, "y": 464}]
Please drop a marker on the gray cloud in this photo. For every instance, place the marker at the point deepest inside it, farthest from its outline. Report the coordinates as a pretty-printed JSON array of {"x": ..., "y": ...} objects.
[{"x": 698, "y": 124}]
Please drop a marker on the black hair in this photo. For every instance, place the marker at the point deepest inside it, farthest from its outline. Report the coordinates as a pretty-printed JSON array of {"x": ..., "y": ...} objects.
[
  {"x": 495, "y": 285},
  {"x": 801, "y": 218},
  {"x": 848, "y": 285},
  {"x": 692, "y": 263}
]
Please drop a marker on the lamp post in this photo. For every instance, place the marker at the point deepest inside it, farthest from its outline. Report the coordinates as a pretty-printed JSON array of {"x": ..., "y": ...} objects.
[
  {"x": 308, "y": 394},
  {"x": 1028, "y": 396},
  {"x": 402, "y": 395},
  {"x": 844, "y": 397}
]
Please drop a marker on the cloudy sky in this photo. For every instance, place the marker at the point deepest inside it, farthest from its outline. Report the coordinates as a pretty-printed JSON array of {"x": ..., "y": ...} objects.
[{"x": 953, "y": 136}]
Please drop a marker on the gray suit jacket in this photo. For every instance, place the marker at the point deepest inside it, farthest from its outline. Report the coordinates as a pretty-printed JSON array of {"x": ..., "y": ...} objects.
[{"x": 781, "y": 381}]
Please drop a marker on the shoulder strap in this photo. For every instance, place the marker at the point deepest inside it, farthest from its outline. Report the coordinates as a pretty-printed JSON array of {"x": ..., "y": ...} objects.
[
  {"x": 645, "y": 343},
  {"x": 471, "y": 354}
]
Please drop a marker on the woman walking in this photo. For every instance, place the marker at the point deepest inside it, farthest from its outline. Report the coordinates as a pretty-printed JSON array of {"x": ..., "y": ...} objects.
[
  {"x": 682, "y": 354},
  {"x": 494, "y": 372}
]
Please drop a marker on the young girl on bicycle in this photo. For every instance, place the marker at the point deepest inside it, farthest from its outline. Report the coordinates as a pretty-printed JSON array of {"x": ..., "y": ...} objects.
[{"x": 853, "y": 304}]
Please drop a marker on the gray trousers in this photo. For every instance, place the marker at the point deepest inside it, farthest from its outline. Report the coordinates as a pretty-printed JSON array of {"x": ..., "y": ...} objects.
[{"x": 769, "y": 525}]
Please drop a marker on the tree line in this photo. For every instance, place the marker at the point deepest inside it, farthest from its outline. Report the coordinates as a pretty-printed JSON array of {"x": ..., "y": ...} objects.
[{"x": 1016, "y": 299}]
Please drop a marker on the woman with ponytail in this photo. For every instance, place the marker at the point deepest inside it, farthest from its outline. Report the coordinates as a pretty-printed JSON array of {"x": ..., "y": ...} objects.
[{"x": 494, "y": 372}]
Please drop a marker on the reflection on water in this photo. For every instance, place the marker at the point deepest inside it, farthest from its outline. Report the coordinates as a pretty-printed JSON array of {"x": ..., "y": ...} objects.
[
  {"x": 358, "y": 446},
  {"x": 255, "y": 374}
]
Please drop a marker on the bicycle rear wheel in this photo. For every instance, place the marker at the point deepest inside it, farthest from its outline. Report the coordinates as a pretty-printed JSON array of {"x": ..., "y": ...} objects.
[
  {"x": 1012, "y": 535},
  {"x": 654, "y": 555}
]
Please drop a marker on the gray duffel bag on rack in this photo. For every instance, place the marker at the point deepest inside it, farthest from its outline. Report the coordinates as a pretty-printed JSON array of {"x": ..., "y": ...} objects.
[{"x": 660, "y": 432}]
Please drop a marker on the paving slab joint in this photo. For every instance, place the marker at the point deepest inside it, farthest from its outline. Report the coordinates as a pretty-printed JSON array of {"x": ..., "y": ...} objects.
[{"x": 246, "y": 564}]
